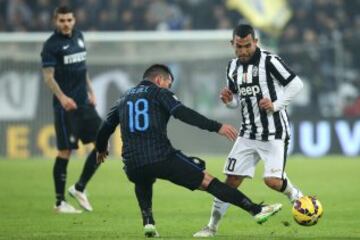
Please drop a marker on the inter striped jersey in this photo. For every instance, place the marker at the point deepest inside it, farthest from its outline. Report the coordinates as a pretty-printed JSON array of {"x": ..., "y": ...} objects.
[{"x": 67, "y": 55}]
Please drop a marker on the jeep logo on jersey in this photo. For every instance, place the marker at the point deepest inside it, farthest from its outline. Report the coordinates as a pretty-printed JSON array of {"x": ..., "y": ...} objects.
[{"x": 249, "y": 90}]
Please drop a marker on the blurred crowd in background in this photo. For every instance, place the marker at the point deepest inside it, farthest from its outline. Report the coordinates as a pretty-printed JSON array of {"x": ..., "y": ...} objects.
[
  {"x": 120, "y": 15},
  {"x": 320, "y": 42}
]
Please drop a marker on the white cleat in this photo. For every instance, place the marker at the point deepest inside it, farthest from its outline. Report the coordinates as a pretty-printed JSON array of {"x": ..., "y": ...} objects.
[
  {"x": 205, "y": 232},
  {"x": 65, "y": 207},
  {"x": 81, "y": 198},
  {"x": 150, "y": 231},
  {"x": 266, "y": 212}
]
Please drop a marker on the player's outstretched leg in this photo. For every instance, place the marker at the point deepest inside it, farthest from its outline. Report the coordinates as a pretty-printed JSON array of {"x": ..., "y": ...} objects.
[
  {"x": 225, "y": 193},
  {"x": 77, "y": 190},
  {"x": 222, "y": 191}
]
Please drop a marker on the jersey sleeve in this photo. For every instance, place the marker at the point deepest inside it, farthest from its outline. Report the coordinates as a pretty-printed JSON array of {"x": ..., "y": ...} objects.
[
  {"x": 229, "y": 80},
  {"x": 280, "y": 71},
  {"x": 112, "y": 118},
  {"x": 107, "y": 128},
  {"x": 48, "y": 55},
  {"x": 168, "y": 100}
]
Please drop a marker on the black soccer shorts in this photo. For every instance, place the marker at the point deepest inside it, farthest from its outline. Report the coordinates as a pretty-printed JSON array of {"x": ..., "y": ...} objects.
[
  {"x": 70, "y": 126},
  {"x": 178, "y": 168}
]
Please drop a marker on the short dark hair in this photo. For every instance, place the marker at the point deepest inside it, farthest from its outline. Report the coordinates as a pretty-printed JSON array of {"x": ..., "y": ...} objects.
[
  {"x": 242, "y": 30},
  {"x": 63, "y": 10},
  {"x": 157, "y": 69}
]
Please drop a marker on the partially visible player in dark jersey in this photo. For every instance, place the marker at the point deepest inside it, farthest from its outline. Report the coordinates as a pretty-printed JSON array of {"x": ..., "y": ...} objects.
[
  {"x": 143, "y": 114},
  {"x": 65, "y": 73}
]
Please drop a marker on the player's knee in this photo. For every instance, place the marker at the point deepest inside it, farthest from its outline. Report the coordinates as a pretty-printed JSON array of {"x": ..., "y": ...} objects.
[
  {"x": 274, "y": 183},
  {"x": 65, "y": 154},
  {"x": 233, "y": 181}
]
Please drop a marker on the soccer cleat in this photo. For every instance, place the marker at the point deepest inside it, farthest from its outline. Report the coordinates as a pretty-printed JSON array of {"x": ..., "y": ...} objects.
[
  {"x": 295, "y": 195},
  {"x": 150, "y": 231},
  {"x": 205, "y": 232},
  {"x": 81, "y": 198},
  {"x": 266, "y": 212},
  {"x": 65, "y": 207}
]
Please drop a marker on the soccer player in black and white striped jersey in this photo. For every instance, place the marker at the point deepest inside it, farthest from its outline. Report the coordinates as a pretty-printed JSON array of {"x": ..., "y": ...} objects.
[{"x": 262, "y": 86}]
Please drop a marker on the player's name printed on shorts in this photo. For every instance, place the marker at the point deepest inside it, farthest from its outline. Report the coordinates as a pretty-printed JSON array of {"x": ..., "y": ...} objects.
[{"x": 75, "y": 58}]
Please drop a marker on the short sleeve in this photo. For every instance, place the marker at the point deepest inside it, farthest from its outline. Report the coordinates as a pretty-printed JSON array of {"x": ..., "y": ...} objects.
[
  {"x": 280, "y": 71},
  {"x": 48, "y": 55},
  {"x": 168, "y": 100}
]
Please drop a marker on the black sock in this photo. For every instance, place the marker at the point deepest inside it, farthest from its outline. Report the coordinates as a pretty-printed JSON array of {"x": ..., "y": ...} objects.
[
  {"x": 144, "y": 197},
  {"x": 227, "y": 194},
  {"x": 89, "y": 169},
  {"x": 59, "y": 175}
]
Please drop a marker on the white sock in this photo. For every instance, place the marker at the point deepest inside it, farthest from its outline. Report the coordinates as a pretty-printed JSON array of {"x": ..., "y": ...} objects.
[
  {"x": 217, "y": 212},
  {"x": 290, "y": 191}
]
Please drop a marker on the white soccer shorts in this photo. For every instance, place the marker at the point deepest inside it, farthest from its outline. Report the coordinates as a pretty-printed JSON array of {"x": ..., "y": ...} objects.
[{"x": 246, "y": 153}]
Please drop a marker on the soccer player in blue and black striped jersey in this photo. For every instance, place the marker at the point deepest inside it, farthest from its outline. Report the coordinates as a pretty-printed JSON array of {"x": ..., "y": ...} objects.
[
  {"x": 143, "y": 114},
  {"x": 65, "y": 73}
]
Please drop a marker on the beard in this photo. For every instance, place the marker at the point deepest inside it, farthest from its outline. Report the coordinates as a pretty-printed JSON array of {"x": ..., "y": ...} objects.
[{"x": 244, "y": 59}]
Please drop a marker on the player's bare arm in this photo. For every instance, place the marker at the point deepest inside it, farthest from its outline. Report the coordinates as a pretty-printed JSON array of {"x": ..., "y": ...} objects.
[
  {"x": 67, "y": 103},
  {"x": 91, "y": 94}
]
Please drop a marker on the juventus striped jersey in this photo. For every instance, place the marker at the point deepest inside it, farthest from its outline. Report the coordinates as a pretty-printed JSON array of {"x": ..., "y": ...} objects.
[{"x": 264, "y": 76}]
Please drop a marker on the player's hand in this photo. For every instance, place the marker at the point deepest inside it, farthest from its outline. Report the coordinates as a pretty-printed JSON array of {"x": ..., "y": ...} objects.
[
  {"x": 101, "y": 156},
  {"x": 226, "y": 95},
  {"x": 92, "y": 99},
  {"x": 266, "y": 104},
  {"x": 229, "y": 132},
  {"x": 68, "y": 103}
]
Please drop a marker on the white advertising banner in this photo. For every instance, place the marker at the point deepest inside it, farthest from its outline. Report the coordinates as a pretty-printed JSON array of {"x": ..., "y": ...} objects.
[{"x": 18, "y": 95}]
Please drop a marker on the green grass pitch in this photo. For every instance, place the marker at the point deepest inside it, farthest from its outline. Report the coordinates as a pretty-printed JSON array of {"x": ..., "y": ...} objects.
[{"x": 27, "y": 198}]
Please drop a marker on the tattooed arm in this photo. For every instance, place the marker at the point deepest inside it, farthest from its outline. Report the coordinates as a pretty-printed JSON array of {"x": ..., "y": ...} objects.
[{"x": 66, "y": 102}]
